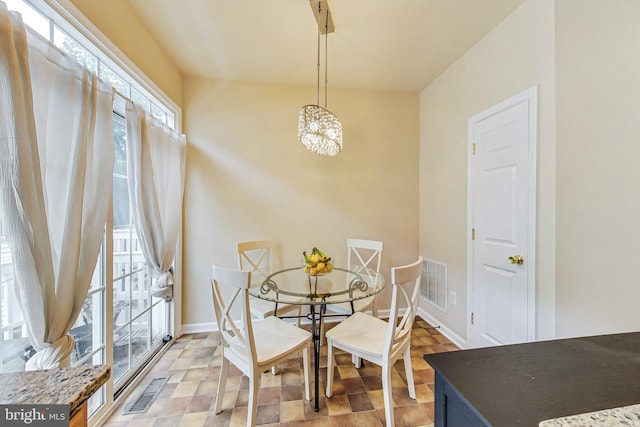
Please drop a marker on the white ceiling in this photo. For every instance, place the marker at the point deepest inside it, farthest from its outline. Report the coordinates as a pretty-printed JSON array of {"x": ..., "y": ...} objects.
[{"x": 397, "y": 45}]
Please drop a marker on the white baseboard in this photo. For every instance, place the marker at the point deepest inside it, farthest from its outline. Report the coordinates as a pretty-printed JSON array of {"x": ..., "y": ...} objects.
[
  {"x": 197, "y": 328},
  {"x": 444, "y": 330}
]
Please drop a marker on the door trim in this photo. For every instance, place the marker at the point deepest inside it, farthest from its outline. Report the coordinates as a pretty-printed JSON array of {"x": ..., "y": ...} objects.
[{"x": 530, "y": 95}]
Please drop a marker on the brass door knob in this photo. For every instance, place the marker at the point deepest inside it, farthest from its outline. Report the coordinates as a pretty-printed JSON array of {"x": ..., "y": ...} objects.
[{"x": 516, "y": 259}]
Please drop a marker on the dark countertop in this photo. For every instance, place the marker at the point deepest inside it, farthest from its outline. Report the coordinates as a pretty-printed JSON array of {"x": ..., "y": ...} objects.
[
  {"x": 70, "y": 386},
  {"x": 524, "y": 384}
]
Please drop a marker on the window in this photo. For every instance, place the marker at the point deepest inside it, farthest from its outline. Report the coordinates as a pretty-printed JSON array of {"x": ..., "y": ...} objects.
[
  {"x": 120, "y": 322},
  {"x": 138, "y": 318}
]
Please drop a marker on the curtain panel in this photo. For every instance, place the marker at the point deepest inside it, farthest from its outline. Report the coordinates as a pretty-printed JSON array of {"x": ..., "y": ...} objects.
[
  {"x": 56, "y": 167},
  {"x": 156, "y": 158}
]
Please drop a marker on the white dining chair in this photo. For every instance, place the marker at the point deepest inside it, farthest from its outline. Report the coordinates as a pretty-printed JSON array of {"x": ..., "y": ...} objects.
[
  {"x": 257, "y": 256},
  {"x": 363, "y": 257},
  {"x": 252, "y": 346},
  {"x": 382, "y": 342}
]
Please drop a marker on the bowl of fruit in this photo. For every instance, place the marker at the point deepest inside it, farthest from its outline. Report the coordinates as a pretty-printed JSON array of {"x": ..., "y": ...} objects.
[{"x": 316, "y": 263}]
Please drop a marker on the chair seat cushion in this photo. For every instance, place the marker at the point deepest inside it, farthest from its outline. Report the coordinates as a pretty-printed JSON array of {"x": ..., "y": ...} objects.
[
  {"x": 361, "y": 332},
  {"x": 273, "y": 336}
]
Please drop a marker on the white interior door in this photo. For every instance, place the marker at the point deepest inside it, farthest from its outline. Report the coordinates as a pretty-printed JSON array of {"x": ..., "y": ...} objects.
[{"x": 502, "y": 217}]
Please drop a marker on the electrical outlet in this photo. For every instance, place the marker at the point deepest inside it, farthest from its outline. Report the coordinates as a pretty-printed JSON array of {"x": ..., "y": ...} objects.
[{"x": 452, "y": 298}]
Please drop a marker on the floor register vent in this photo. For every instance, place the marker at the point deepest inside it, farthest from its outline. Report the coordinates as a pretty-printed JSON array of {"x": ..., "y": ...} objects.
[
  {"x": 144, "y": 401},
  {"x": 433, "y": 285}
]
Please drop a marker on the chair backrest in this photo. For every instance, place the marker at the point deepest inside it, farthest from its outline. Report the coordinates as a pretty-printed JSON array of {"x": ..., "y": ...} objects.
[
  {"x": 363, "y": 254},
  {"x": 404, "y": 294},
  {"x": 230, "y": 288},
  {"x": 256, "y": 256}
]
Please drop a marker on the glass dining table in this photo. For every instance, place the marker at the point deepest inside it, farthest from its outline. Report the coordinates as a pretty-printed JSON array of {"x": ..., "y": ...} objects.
[{"x": 340, "y": 286}]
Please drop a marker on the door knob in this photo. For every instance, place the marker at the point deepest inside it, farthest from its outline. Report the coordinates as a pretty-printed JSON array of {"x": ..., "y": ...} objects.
[{"x": 516, "y": 259}]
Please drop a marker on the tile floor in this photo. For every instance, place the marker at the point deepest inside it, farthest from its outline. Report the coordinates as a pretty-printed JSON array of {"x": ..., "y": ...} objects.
[{"x": 193, "y": 363}]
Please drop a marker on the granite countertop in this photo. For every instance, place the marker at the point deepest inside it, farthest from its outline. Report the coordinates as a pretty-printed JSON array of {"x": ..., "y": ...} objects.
[
  {"x": 69, "y": 386},
  {"x": 615, "y": 417}
]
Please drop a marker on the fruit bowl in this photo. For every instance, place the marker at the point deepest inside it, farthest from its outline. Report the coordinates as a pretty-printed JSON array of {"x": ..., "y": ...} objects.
[{"x": 316, "y": 264}]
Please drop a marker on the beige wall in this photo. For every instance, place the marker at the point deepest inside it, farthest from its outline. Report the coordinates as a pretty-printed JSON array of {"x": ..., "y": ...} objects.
[
  {"x": 117, "y": 20},
  {"x": 516, "y": 55},
  {"x": 249, "y": 178},
  {"x": 598, "y": 80}
]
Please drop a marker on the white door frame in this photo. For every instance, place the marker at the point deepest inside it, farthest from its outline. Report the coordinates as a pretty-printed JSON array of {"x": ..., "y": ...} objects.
[{"x": 531, "y": 95}]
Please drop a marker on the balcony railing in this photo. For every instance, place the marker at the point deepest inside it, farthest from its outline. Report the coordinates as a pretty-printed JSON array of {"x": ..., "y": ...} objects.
[{"x": 129, "y": 270}]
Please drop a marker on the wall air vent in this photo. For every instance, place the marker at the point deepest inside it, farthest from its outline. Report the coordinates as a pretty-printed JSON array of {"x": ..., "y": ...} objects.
[{"x": 433, "y": 286}]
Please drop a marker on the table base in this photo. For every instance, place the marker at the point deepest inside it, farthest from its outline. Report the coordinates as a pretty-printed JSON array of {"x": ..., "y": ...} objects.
[{"x": 317, "y": 313}]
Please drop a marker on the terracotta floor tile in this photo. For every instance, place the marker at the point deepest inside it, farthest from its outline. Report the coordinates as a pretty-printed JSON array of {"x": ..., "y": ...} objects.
[
  {"x": 200, "y": 404},
  {"x": 344, "y": 420},
  {"x": 338, "y": 404},
  {"x": 194, "y": 374},
  {"x": 353, "y": 385},
  {"x": 172, "y": 421},
  {"x": 372, "y": 383},
  {"x": 176, "y": 406},
  {"x": 359, "y": 402},
  {"x": 185, "y": 389},
  {"x": 291, "y": 411},
  {"x": 291, "y": 392},
  {"x": 196, "y": 419},
  {"x": 377, "y": 398},
  {"x": 207, "y": 388},
  {"x": 142, "y": 422},
  {"x": 187, "y": 353},
  {"x": 367, "y": 419},
  {"x": 268, "y": 395},
  {"x": 268, "y": 414}
]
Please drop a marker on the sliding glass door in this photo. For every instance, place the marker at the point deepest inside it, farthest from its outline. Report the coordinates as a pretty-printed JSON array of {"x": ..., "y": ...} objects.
[{"x": 139, "y": 319}]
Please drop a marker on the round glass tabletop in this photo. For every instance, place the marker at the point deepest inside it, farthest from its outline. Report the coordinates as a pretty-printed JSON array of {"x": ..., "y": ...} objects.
[{"x": 294, "y": 286}]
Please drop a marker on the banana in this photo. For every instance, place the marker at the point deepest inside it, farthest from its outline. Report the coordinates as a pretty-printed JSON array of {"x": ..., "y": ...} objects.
[{"x": 315, "y": 250}]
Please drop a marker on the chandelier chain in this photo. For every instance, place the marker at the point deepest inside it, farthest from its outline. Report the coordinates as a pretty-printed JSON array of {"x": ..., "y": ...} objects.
[
  {"x": 318, "y": 72},
  {"x": 326, "y": 56}
]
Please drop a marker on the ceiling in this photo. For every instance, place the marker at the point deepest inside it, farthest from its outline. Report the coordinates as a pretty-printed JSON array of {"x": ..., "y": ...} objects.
[{"x": 397, "y": 45}]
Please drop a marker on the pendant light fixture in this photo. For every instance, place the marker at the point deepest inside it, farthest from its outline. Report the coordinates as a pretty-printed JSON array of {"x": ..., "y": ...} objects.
[{"x": 318, "y": 128}]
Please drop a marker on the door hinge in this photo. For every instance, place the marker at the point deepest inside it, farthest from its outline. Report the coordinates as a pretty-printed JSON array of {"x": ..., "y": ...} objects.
[
  {"x": 473, "y": 148},
  {"x": 473, "y": 319},
  {"x": 473, "y": 234}
]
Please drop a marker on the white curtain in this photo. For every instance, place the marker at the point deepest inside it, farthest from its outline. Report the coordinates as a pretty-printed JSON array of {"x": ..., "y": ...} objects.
[
  {"x": 56, "y": 166},
  {"x": 156, "y": 158}
]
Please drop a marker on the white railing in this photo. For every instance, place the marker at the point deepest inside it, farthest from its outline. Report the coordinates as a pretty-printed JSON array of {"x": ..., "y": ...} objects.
[{"x": 129, "y": 271}]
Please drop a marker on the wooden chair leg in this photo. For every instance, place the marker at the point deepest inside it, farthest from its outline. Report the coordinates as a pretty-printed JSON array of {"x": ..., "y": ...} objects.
[
  {"x": 222, "y": 383},
  {"x": 253, "y": 399},
  {"x": 305, "y": 361},
  {"x": 329, "y": 390},
  {"x": 357, "y": 361},
  {"x": 409, "y": 372},
  {"x": 386, "y": 392}
]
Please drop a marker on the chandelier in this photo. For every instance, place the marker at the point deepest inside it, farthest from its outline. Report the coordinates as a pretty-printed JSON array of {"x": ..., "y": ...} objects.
[{"x": 318, "y": 128}]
